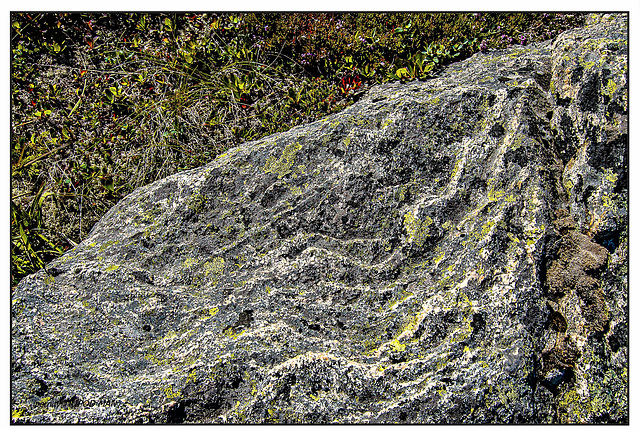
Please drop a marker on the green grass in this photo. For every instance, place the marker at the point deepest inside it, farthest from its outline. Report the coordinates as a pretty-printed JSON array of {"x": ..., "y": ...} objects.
[{"x": 104, "y": 103}]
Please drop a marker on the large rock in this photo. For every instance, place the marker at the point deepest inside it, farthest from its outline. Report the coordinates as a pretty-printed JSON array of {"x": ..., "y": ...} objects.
[{"x": 448, "y": 251}]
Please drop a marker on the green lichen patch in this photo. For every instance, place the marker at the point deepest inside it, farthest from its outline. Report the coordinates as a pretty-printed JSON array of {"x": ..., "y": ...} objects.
[
  {"x": 283, "y": 165},
  {"x": 196, "y": 202},
  {"x": 417, "y": 230},
  {"x": 214, "y": 268}
]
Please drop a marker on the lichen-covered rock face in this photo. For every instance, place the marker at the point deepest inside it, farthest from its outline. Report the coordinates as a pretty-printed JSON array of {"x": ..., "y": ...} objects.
[{"x": 448, "y": 251}]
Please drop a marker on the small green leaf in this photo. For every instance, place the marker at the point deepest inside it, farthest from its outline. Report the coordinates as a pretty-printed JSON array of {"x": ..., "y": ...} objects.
[
  {"x": 23, "y": 236},
  {"x": 108, "y": 184},
  {"x": 402, "y": 73}
]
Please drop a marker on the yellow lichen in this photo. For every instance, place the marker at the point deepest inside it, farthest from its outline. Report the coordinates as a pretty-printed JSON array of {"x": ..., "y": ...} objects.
[
  {"x": 214, "y": 267},
  {"x": 231, "y": 334},
  {"x": 456, "y": 168},
  {"x": 296, "y": 191},
  {"x": 438, "y": 258},
  {"x": 494, "y": 195},
  {"x": 170, "y": 394},
  {"x": 189, "y": 262},
  {"x": 191, "y": 377},
  {"x": 611, "y": 88},
  {"x": 417, "y": 230},
  {"x": 486, "y": 228},
  {"x": 397, "y": 346},
  {"x": 112, "y": 267},
  {"x": 283, "y": 165}
]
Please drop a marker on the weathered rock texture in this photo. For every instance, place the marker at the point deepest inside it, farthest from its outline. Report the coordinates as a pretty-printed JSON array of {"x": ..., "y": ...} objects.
[{"x": 449, "y": 251}]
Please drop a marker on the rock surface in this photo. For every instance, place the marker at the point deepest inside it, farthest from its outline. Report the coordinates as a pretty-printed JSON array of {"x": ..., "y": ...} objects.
[{"x": 448, "y": 251}]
